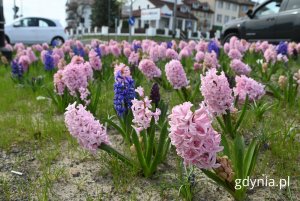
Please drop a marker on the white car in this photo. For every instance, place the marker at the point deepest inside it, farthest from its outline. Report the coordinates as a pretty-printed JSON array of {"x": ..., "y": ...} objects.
[{"x": 33, "y": 30}]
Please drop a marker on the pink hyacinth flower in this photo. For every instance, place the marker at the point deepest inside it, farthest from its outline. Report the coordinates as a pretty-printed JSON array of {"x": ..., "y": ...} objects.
[
  {"x": 95, "y": 60},
  {"x": 216, "y": 91},
  {"x": 172, "y": 54},
  {"x": 59, "y": 85},
  {"x": 125, "y": 70},
  {"x": 82, "y": 125},
  {"x": 176, "y": 75},
  {"x": 149, "y": 69},
  {"x": 142, "y": 114},
  {"x": 239, "y": 67},
  {"x": 133, "y": 58},
  {"x": 247, "y": 86},
  {"x": 235, "y": 54},
  {"x": 193, "y": 136}
]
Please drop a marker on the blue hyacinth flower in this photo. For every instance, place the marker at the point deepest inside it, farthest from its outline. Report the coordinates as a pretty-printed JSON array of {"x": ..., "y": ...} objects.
[
  {"x": 282, "y": 48},
  {"x": 136, "y": 47},
  {"x": 16, "y": 69},
  {"x": 49, "y": 61},
  {"x": 213, "y": 46},
  {"x": 124, "y": 89}
]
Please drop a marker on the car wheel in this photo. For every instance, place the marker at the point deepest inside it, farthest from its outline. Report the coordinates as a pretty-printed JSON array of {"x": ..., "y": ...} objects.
[
  {"x": 228, "y": 37},
  {"x": 57, "y": 41}
]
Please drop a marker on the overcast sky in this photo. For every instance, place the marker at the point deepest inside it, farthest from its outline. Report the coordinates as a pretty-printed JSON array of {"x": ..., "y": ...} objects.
[{"x": 54, "y": 9}]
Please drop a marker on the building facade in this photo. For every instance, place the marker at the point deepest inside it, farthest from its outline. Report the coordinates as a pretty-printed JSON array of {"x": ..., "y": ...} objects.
[
  {"x": 202, "y": 12},
  {"x": 78, "y": 13},
  {"x": 244, "y": 7},
  {"x": 226, "y": 10},
  {"x": 185, "y": 19},
  {"x": 194, "y": 15}
]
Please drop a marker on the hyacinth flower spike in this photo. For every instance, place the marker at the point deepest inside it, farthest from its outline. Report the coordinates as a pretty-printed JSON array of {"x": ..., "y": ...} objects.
[
  {"x": 145, "y": 124},
  {"x": 176, "y": 76},
  {"x": 124, "y": 94},
  {"x": 219, "y": 99},
  {"x": 198, "y": 144},
  {"x": 147, "y": 149},
  {"x": 243, "y": 160},
  {"x": 89, "y": 132},
  {"x": 17, "y": 69}
]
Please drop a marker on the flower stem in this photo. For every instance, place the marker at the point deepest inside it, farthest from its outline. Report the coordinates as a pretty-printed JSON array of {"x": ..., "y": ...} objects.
[
  {"x": 161, "y": 147},
  {"x": 150, "y": 141},
  {"x": 140, "y": 154},
  {"x": 115, "y": 153},
  {"x": 228, "y": 124}
]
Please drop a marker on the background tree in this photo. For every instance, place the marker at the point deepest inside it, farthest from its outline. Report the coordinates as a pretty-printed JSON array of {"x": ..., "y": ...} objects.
[
  {"x": 102, "y": 15},
  {"x": 72, "y": 14}
]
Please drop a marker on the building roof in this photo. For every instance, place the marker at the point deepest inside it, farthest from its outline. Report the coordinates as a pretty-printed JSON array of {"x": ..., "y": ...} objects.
[
  {"x": 159, "y": 3},
  {"x": 201, "y": 7},
  {"x": 185, "y": 15},
  {"x": 242, "y": 2},
  {"x": 247, "y": 2}
]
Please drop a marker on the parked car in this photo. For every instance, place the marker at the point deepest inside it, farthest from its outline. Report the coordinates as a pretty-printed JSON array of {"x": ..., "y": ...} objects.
[
  {"x": 273, "y": 20},
  {"x": 31, "y": 30}
]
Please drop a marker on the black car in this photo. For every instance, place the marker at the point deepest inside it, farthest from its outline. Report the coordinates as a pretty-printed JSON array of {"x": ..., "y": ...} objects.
[{"x": 273, "y": 20}]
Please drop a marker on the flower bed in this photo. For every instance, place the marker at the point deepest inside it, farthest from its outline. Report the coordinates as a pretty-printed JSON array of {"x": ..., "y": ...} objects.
[{"x": 208, "y": 111}]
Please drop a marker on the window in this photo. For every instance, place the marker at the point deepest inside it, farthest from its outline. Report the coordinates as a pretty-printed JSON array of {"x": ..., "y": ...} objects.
[
  {"x": 27, "y": 22},
  {"x": 31, "y": 22},
  {"x": 227, "y": 5},
  {"x": 179, "y": 23},
  {"x": 293, "y": 4},
  {"x": 196, "y": 5},
  {"x": 42, "y": 23},
  {"x": 226, "y": 18},
  {"x": 219, "y": 18},
  {"x": 189, "y": 24},
  {"x": 244, "y": 9},
  {"x": 183, "y": 9},
  {"x": 268, "y": 9},
  {"x": 46, "y": 23},
  {"x": 17, "y": 23},
  {"x": 205, "y": 7},
  {"x": 220, "y": 4},
  {"x": 234, "y": 7}
]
